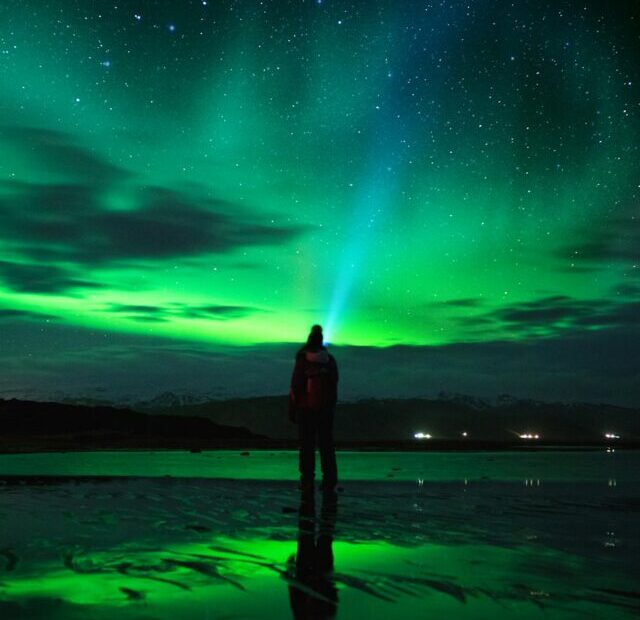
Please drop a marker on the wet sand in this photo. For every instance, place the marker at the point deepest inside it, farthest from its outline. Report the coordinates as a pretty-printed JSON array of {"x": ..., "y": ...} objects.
[{"x": 165, "y": 547}]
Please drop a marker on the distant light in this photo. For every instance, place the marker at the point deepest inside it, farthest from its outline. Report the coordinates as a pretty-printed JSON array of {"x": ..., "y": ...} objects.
[
  {"x": 529, "y": 436},
  {"x": 464, "y": 433},
  {"x": 171, "y": 27},
  {"x": 422, "y": 436},
  {"x": 612, "y": 436}
]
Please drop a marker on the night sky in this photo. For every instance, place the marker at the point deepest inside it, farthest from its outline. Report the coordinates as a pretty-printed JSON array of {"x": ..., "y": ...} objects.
[{"x": 451, "y": 188}]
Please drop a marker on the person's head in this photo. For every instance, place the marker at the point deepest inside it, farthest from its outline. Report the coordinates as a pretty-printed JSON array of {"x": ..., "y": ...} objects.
[{"x": 315, "y": 337}]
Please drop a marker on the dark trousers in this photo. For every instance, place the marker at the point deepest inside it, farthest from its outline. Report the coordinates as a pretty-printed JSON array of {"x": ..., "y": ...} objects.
[{"x": 316, "y": 428}]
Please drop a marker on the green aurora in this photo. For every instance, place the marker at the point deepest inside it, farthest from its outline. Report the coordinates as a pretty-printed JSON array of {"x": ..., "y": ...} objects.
[{"x": 420, "y": 174}]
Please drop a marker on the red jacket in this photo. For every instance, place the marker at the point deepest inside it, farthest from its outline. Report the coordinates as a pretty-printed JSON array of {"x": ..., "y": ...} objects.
[{"x": 308, "y": 362}]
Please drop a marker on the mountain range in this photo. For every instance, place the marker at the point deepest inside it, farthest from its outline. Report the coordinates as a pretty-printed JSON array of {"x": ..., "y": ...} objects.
[
  {"x": 172, "y": 420},
  {"x": 44, "y": 425},
  {"x": 444, "y": 417}
]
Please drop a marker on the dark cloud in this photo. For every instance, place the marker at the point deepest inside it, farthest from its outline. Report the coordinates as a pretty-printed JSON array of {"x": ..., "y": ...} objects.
[
  {"x": 11, "y": 314},
  {"x": 149, "y": 313},
  {"x": 476, "y": 321},
  {"x": 587, "y": 366},
  {"x": 148, "y": 318},
  {"x": 136, "y": 309},
  {"x": 556, "y": 314},
  {"x": 545, "y": 311},
  {"x": 142, "y": 313},
  {"x": 31, "y": 278},
  {"x": 70, "y": 223},
  {"x": 626, "y": 289},
  {"x": 58, "y": 153},
  {"x": 466, "y": 302},
  {"x": 617, "y": 315},
  {"x": 219, "y": 312},
  {"x": 613, "y": 240}
]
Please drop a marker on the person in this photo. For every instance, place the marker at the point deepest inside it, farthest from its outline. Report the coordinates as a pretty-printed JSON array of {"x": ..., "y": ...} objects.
[{"x": 312, "y": 402}]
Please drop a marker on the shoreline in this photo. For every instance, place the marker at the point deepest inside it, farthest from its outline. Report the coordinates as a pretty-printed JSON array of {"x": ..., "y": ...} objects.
[{"x": 57, "y": 445}]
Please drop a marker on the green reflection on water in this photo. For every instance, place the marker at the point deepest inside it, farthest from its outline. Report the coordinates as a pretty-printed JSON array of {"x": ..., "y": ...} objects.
[
  {"x": 282, "y": 465},
  {"x": 155, "y": 548},
  {"x": 228, "y": 577}
]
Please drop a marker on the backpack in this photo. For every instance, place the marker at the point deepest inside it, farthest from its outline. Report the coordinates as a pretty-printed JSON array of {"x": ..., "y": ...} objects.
[{"x": 319, "y": 385}]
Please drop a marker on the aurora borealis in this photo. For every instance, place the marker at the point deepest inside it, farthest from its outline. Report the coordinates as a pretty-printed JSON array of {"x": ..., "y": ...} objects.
[{"x": 185, "y": 187}]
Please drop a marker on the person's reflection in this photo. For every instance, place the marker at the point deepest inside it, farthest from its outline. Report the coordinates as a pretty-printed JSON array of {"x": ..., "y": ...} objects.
[{"x": 312, "y": 590}]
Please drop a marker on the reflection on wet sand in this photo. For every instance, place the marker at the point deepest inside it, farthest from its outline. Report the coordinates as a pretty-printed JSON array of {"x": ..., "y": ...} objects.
[
  {"x": 312, "y": 588},
  {"x": 137, "y": 549}
]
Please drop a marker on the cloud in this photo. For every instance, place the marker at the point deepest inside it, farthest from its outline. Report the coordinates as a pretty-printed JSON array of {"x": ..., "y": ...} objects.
[
  {"x": 587, "y": 366},
  {"x": 466, "y": 302},
  {"x": 614, "y": 240},
  {"x": 220, "y": 312},
  {"x": 142, "y": 313},
  {"x": 70, "y": 223},
  {"x": 617, "y": 315},
  {"x": 556, "y": 314},
  {"x": 569, "y": 312},
  {"x": 58, "y": 153},
  {"x": 626, "y": 289},
  {"x": 543, "y": 312},
  {"x": 31, "y": 278},
  {"x": 149, "y": 313},
  {"x": 10, "y": 314}
]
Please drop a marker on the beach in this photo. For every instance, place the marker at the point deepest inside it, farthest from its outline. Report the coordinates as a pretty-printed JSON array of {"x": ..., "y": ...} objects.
[{"x": 165, "y": 535}]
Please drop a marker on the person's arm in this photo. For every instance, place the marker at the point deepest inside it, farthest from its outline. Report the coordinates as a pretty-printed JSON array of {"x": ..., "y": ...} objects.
[
  {"x": 295, "y": 390},
  {"x": 335, "y": 377}
]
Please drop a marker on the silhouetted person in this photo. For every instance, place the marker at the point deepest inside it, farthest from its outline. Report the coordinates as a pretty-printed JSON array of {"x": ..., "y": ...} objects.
[
  {"x": 312, "y": 590},
  {"x": 312, "y": 404}
]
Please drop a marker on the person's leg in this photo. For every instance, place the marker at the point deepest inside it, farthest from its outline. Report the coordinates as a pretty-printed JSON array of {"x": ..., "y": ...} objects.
[
  {"x": 307, "y": 436},
  {"x": 327, "y": 450}
]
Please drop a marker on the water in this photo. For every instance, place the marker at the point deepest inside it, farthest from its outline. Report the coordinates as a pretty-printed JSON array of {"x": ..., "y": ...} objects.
[
  {"x": 548, "y": 466},
  {"x": 221, "y": 535}
]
